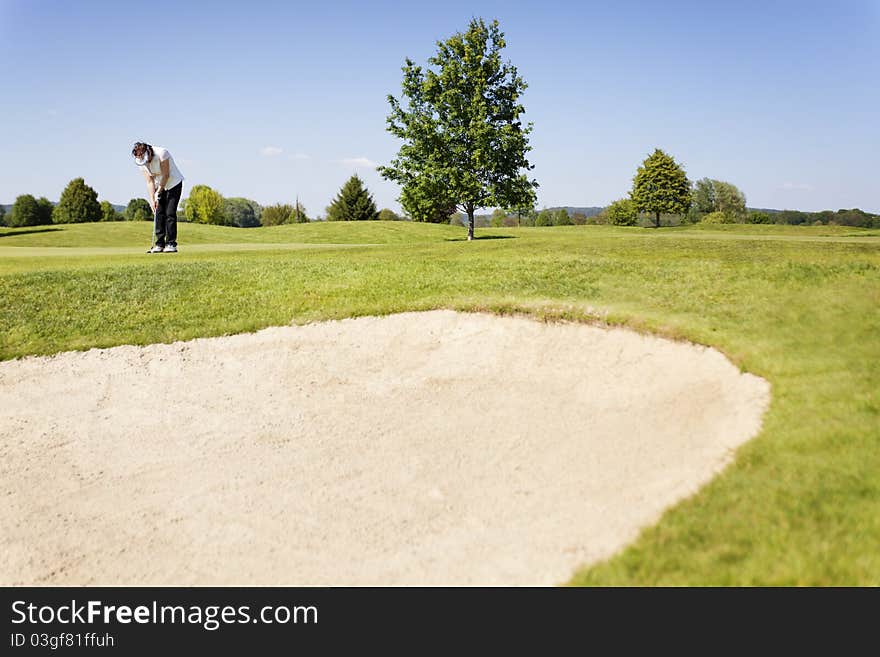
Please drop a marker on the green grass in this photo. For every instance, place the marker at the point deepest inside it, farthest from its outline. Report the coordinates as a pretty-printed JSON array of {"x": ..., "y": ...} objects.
[
  {"x": 137, "y": 234},
  {"x": 799, "y": 306}
]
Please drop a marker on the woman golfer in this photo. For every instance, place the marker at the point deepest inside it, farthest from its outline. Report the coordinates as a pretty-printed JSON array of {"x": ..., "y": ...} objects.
[{"x": 164, "y": 184}]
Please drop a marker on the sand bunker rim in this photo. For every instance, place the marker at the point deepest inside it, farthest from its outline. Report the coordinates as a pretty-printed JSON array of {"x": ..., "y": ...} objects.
[{"x": 432, "y": 447}]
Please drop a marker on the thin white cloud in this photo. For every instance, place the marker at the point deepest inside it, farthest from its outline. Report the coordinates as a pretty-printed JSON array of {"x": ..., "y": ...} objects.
[
  {"x": 359, "y": 163},
  {"x": 796, "y": 187},
  {"x": 298, "y": 156},
  {"x": 270, "y": 151}
]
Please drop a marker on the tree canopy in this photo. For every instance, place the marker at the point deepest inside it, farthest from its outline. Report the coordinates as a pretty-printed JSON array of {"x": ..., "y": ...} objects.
[
  {"x": 28, "y": 211},
  {"x": 661, "y": 186},
  {"x": 78, "y": 204},
  {"x": 464, "y": 144},
  {"x": 205, "y": 206},
  {"x": 138, "y": 209},
  {"x": 622, "y": 212},
  {"x": 718, "y": 196},
  {"x": 353, "y": 203},
  {"x": 109, "y": 213},
  {"x": 241, "y": 212}
]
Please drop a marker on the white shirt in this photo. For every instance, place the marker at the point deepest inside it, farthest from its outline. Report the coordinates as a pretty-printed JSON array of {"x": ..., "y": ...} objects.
[{"x": 161, "y": 155}]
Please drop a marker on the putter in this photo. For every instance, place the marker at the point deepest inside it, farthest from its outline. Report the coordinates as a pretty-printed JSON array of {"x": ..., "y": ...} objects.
[{"x": 155, "y": 219}]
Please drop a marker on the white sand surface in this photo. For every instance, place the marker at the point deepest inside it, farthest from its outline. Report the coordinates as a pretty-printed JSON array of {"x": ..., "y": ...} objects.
[{"x": 419, "y": 448}]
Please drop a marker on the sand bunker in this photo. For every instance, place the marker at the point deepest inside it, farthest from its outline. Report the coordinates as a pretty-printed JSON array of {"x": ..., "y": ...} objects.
[{"x": 420, "y": 448}]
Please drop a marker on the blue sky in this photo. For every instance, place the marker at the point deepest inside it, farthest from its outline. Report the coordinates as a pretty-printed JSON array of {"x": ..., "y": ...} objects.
[{"x": 270, "y": 100}]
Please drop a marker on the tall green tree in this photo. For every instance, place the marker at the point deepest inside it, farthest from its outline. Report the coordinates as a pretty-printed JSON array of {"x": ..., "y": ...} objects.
[
  {"x": 561, "y": 217},
  {"x": 25, "y": 212},
  {"x": 45, "y": 208},
  {"x": 205, "y": 206},
  {"x": 661, "y": 186},
  {"x": 703, "y": 196},
  {"x": 711, "y": 195},
  {"x": 138, "y": 209},
  {"x": 353, "y": 203},
  {"x": 78, "y": 204},
  {"x": 109, "y": 213},
  {"x": 241, "y": 212},
  {"x": 544, "y": 218},
  {"x": 464, "y": 144},
  {"x": 730, "y": 201},
  {"x": 498, "y": 217},
  {"x": 298, "y": 215},
  {"x": 2, "y": 215}
]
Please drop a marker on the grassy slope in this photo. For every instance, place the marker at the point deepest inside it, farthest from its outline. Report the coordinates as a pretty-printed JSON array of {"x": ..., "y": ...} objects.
[
  {"x": 800, "y": 505},
  {"x": 137, "y": 234}
]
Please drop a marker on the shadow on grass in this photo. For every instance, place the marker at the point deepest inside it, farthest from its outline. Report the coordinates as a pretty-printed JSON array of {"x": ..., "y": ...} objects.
[
  {"x": 29, "y": 232},
  {"x": 483, "y": 237}
]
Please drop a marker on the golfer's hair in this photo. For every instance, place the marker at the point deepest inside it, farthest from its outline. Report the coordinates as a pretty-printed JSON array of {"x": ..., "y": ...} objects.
[{"x": 141, "y": 147}]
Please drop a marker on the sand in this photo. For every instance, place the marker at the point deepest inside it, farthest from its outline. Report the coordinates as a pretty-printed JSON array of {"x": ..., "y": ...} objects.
[{"x": 419, "y": 448}]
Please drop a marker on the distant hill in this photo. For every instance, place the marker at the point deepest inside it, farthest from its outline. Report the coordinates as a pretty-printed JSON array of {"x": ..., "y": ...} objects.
[{"x": 590, "y": 211}]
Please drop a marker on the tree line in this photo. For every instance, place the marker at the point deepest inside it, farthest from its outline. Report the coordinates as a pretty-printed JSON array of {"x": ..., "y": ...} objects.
[
  {"x": 465, "y": 147},
  {"x": 79, "y": 204}
]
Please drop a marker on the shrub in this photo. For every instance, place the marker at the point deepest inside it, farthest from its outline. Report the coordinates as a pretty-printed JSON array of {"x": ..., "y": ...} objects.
[
  {"x": 716, "y": 218},
  {"x": 275, "y": 215},
  {"x": 622, "y": 212},
  {"x": 389, "y": 215},
  {"x": 760, "y": 218}
]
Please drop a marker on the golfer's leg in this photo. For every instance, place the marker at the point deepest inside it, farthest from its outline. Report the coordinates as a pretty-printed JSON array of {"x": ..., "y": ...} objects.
[
  {"x": 172, "y": 198},
  {"x": 160, "y": 219}
]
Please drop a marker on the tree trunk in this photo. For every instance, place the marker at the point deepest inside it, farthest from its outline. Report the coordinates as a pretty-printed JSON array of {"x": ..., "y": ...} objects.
[
  {"x": 657, "y": 220},
  {"x": 470, "y": 214}
]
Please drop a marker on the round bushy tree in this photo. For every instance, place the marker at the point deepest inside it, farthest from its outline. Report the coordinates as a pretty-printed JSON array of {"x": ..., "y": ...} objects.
[
  {"x": 660, "y": 186},
  {"x": 622, "y": 212},
  {"x": 561, "y": 218},
  {"x": 465, "y": 143},
  {"x": 240, "y": 212},
  {"x": 109, "y": 213},
  {"x": 78, "y": 204},
  {"x": 138, "y": 209},
  {"x": 27, "y": 211},
  {"x": 386, "y": 214},
  {"x": 205, "y": 206},
  {"x": 544, "y": 218},
  {"x": 275, "y": 215}
]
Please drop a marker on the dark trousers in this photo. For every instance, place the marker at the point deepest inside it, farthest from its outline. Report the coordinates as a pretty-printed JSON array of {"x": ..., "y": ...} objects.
[{"x": 166, "y": 215}]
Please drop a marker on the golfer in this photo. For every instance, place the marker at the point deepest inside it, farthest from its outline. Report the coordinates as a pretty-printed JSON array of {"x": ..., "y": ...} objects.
[{"x": 164, "y": 184}]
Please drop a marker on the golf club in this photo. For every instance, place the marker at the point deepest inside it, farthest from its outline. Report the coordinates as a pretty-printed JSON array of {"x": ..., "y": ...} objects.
[
  {"x": 141, "y": 161},
  {"x": 155, "y": 219}
]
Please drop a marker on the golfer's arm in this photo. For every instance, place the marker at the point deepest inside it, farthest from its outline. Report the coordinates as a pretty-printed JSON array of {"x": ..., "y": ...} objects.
[
  {"x": 151, "y": 187},
  {"x": 166, "y": 173}
]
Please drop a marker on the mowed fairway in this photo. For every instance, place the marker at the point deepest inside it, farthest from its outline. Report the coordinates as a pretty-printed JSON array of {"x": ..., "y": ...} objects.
[{"x": 799, "y": 307}]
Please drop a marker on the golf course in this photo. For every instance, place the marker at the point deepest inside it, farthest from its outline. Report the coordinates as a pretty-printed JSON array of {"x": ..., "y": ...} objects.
[{"x": 797, "y": 306}]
